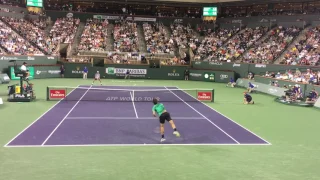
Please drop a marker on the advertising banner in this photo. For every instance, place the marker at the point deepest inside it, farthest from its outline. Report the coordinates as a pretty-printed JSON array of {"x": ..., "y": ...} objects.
[
  {"x": 208, "y": 76},
  {"x": 121, "y": 72},
  {"x": 46, "y": 72},
  {"x": 13, "y": 75},
  {"x": 27, "y": 58},
  {"x": 211, "y": 76}
]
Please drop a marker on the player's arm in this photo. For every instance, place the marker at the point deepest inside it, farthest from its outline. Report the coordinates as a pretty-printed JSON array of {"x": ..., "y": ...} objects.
[{"x": 154, "y": 112}]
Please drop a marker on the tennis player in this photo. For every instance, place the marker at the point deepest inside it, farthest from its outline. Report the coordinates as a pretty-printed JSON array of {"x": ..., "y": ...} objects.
[
  {"x": 247, "y": 98},
  {"x": 127, "y": 74},
  {"x": 97, "y": 78},
  {"x": 158, "y": 108}
]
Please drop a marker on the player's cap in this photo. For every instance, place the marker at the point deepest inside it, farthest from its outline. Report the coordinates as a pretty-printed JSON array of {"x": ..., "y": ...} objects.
[
  {"x": 24, "y": 63},
  {"x": 97, "y": 71}
]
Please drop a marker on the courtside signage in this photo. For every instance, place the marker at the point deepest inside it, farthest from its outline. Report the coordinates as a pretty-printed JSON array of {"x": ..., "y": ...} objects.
[
  {"x": 57, "y": 93},
  {"x": 204, "y": 96},
  {"x": 112, "y": 70}
]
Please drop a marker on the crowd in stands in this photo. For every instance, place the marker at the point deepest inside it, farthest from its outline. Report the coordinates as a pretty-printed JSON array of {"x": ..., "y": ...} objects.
[
  {"x": 306, "y": 51},
  {"x": 32, "y": 33},
  {"x": 125, "y": 58},
  {"x": 182, "y": 35},
  {"x": 308, "y": 77},
  {"x": 173, "y": 61},
  {"x": 125, "y": 37},
  {"x": 268, "y": 50},
  {"x": 212, "y": 42},
  {"x": 157, "y": 40},
  {"x": 14, "y": 43},
  {"x": 64, "y": 30},
  {"x": 238, "y": 44},
  {"x": 94, "y": 36}
]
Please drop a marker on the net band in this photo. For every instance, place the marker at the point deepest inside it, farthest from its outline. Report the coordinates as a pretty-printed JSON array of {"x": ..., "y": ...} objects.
[{"x": 128, "y": 95}]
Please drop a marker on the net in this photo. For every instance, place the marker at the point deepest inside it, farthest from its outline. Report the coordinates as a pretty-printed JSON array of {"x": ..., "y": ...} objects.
[{"x": 129, "y": 95}]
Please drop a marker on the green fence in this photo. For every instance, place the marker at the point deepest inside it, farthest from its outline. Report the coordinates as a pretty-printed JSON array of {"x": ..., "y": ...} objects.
[
  {"x": 116, "y": 71},
  {"x": 211, "y": 76}
]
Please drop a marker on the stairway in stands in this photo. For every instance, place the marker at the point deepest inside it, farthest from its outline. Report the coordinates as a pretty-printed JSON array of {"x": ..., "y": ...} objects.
[
  {"x": 168, "y": 35},
  {"x": 110, "y": 38},
  {"x": 293, "y": 43},
  {"x": 141, "y": 39},
  {"x": 77, "y": 38}
]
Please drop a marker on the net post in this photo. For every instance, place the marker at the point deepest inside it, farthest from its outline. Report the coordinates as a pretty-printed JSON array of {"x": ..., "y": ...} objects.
[
  {"x": 47, "y": 93},
  {"x": 212, "y": 100}
]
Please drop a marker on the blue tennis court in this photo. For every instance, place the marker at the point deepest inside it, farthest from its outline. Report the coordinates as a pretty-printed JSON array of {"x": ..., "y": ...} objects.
[{"x": 92, "y": 116}]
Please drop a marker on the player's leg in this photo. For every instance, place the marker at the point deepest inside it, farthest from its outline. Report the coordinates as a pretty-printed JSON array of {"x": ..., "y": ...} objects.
[
  {"x": 100, "y": 81},
  {"x": 162, "y": 121},
  {"x": 169, "y": 119},
  {"x": 93, "y": 81}
]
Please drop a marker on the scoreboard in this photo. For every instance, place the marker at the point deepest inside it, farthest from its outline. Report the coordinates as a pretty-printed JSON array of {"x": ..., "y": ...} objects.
[
  {"x": 35, "y": 3},
  {"x": 210, "y": 11}
]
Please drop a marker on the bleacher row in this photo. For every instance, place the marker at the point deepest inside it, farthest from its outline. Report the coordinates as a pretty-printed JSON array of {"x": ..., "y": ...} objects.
[{"x": 263, "y": 45}]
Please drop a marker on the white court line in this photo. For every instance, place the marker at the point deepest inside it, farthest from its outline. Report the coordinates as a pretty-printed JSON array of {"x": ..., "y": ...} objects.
[
  {"x": 203, "y": 116},
  {"x": 134, "y": 106},
  {"x": 184, "y": 118},
  {"x": 39, "y": 118},
  {"x": 132, "y": 145},
  {"x": 64, "y": 117},
  {"x": 225, "y": 116}
]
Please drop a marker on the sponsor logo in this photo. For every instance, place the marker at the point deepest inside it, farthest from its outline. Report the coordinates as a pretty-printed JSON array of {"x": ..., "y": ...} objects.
[
  {"x": 178, "y": 21},
  {"x": 49, "y": 72},
  {"x": 215, "y": 63},
  {"x": 197, "y": 62},
  {"x": 18, "y": 58},
  {"x": 209, "y": 76},
  {"x": 195, "y": 75},
  {"x": 223, "y": 76},
  {"x": 112, "y": 71},
  {"x": 174, "y": 74},
  {"x": 57, "y": 93},
  {"x": 77, "y": 71},
  {"x": 50, "y": 57},
  {"x": 260, "y": 66},
  {"x": 19, "y": 96},
  {"x": 236, "y": 65},
  {"x": 69, "y": 15},
  {"x": 9, "y": 58},
  {"x": 204, "y": 96},
  {"x": 54, "y": 71},
  {"x": 39, "y": 72},
  {"x": 30, "y": 58},
  {"x": 236, "y": 21},
  {"x": 143, "y": 19}
]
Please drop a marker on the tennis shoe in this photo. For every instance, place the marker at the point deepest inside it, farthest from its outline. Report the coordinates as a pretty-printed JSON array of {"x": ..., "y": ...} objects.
[
  {"x": 162, "y": 139},
  {"x": 176, "y": 133}
]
